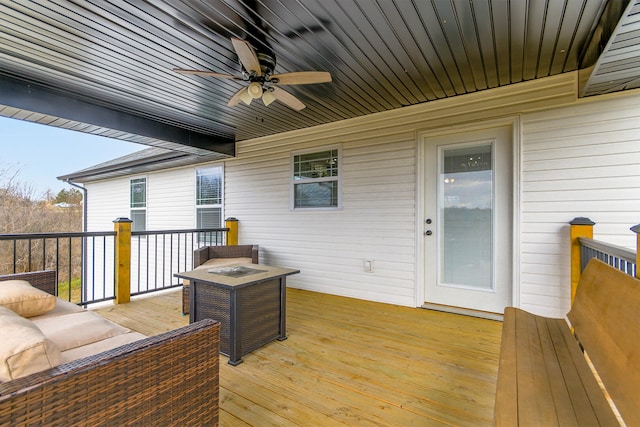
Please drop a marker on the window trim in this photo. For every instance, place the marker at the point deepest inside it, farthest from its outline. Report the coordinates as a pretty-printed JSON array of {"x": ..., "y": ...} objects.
[
  {"x": 293, "y": 182},
  {"x": 141, "y": 208},
  {"x": 195, "y": 193}
]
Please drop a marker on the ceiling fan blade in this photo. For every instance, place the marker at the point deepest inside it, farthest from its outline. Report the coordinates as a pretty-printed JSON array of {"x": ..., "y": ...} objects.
[
  {"x": 287, "y": 99},
  {"x": 206, "y": 74},
  {"x": 301, "y": 78},
  {"x": 246, "y": 55},
  {"x": 241, "y": 95}
]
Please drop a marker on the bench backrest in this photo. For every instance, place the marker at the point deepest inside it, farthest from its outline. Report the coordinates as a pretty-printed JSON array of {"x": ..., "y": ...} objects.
[
  {"x": 606, "y": 319},
  {"x": 237, "y": 251},
  {"x": 44, "y": 280}
]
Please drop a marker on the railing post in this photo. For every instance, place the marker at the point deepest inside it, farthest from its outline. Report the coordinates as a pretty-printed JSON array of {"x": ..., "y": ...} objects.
[
  {"x": 636, "y": 229},
  {"x": 580, "y": 227},
  {"x": 122, "y": 227},
  {"x": 232, "y": 234}
]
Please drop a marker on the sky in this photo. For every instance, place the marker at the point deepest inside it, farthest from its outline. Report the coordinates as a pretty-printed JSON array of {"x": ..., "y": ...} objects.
[{"x": 40, "y": 153}]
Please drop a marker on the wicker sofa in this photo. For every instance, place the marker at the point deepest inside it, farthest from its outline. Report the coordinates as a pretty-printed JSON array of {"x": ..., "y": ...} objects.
[
  {"x": 168, "y": 379},
  {"x": 219, "y": 256}
]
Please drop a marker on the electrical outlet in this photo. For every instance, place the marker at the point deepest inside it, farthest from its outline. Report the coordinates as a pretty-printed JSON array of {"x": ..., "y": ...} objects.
[{"x": 368, "y": 265}]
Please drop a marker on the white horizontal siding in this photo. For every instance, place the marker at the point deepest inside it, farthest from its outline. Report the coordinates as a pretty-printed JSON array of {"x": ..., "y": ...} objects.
[
  {"x": 379, "y": 177},
  {"x": 577, "y": 161},
  {"x": 107, "y": 200},
  {"x": 580, "y": 159},
  {"x": 376, "y": 222},
  {"x": 170, "y": 206},
  {"x": 170, "y": 200}
]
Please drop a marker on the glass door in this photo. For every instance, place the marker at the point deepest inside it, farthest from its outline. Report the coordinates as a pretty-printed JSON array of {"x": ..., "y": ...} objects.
[{"x": 468, "y": 224}]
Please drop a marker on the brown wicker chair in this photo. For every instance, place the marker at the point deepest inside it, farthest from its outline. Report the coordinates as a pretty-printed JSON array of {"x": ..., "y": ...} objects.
[
  {"x": 204, "y": 254},
  {"x": 168, "y": 379}
]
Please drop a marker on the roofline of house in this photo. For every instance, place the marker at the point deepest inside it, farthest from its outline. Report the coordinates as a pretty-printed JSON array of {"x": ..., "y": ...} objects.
[{"x": 137, "y": 164}]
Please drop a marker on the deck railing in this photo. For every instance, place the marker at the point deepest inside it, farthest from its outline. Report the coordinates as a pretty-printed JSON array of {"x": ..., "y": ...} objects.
[
  {"x": 85, "y": 262},
  {"x": 157, "y": 255},
  {"x": 616, "y": 256},
  {"x": 66, "y": 253},
  {"x": 584, "y": 247}
]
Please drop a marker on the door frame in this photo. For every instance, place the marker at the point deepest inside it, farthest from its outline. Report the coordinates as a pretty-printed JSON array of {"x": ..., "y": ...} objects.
[{"x": 516, "y": 137}]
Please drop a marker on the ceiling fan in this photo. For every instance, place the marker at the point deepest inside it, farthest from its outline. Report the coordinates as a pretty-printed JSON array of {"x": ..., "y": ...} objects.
[{"x": 257, "y": 69}]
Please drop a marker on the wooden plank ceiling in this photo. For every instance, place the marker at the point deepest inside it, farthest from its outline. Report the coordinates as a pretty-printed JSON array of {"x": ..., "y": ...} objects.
[{"x": 382, "y": 55}]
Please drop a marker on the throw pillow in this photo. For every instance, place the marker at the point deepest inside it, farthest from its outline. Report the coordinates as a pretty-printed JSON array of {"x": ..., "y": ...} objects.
[{"x": 24, "y": 299}]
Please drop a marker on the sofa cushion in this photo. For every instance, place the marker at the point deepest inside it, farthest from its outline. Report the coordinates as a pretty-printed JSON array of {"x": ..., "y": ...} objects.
[
  {"x": 62, "y": 307},
  {"x": 24, "y": 349},
  {"x": 24, "y": 299},
  {"x": 73, "y": 330},
  {"x": 100, "y": 346},
  {"x": 224, "y": 262}
]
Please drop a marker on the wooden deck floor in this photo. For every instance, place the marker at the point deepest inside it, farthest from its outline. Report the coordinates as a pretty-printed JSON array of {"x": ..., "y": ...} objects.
[{"x": 350, "y": 362}]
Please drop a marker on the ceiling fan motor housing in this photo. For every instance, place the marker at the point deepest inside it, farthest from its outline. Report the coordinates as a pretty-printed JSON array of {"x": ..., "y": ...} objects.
[{"x": 267, "y": 64}]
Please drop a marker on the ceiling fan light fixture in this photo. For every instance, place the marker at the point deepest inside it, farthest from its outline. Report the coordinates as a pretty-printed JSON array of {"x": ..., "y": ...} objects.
[
  {"x": 245, "y": 96},
  {"x": 255, "y": 90},
  {"x": 268, "y": 98}
]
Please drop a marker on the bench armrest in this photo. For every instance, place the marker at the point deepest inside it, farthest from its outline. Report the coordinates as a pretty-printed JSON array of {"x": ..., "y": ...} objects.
[{"x": 200, "y": 256}]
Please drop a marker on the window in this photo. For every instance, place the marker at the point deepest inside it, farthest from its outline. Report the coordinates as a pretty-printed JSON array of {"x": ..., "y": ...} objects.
[
  {"x": 316, "y": 180},
  {"x": 209, "y": 198},
  {"x": 138, "y": 204}
]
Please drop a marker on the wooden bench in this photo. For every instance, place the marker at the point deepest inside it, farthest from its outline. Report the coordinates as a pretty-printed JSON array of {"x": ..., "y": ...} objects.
[{"x": 544, "y": 378}]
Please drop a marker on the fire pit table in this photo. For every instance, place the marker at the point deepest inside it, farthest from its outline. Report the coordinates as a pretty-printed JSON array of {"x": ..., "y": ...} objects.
[{"x": 248, "y": 300}]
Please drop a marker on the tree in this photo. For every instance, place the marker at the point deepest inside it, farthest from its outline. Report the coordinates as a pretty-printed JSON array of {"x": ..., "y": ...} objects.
[
  {"x": 72, "y": 196},
  {"x": 21, "y": 212}
]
